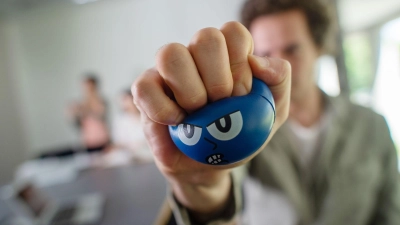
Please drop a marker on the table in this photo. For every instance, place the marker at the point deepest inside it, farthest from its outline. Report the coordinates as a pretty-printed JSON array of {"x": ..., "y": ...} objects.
[{"x": 134, "y": 194}]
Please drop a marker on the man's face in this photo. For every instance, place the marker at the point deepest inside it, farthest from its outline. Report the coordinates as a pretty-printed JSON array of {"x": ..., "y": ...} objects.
[
  {"x": 286, "y": 35},
  {"x": 89, "y": 87}
]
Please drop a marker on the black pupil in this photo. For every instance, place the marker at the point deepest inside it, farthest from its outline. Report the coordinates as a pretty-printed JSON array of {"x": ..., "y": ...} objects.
[
  {"x": 188, "y": 132},
  {"x": 228, "y": 124}
]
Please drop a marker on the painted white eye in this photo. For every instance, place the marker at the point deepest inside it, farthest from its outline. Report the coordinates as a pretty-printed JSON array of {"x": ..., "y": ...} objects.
[
  {"x": 226, "y": 127},
  {"x": 189, "y": 134}
]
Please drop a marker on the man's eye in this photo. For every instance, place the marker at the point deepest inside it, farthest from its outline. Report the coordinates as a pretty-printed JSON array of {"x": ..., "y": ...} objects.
[
  {"x": 189, "y": 134},
  {"x": 226, "y": 127},
  {"x": 292, "y": 49}
]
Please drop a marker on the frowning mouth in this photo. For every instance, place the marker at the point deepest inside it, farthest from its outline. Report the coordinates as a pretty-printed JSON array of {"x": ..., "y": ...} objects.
[{"x": 216, "y": 159}]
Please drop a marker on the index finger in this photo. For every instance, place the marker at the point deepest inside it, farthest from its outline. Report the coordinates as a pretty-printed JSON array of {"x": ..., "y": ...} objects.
[{"x": 151, "y": 98}]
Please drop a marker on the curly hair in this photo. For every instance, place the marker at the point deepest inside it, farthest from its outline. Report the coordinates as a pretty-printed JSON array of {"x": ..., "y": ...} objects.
[{"x": 316, "y": 13}]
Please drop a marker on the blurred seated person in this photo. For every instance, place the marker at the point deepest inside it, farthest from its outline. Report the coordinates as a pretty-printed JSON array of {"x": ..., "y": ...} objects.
[
  {"x": 90, "y": 116},
  {"x": 128, "y": 137}
]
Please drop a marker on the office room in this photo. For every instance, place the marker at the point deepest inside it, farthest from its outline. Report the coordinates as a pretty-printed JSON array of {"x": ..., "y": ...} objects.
[{"x": 130, "y": 112}]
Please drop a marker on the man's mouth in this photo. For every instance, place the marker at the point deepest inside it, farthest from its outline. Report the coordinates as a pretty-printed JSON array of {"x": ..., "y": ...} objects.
[{"x": 215, "y": 159}]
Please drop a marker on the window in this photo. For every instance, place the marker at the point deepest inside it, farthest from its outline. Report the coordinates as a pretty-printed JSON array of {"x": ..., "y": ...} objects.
[
  {"x": 386, "y": 89},
  {"x": 359, "y": 65}
]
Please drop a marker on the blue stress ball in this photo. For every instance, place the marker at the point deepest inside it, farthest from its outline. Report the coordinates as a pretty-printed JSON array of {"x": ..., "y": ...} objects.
[{"x": 228, "y": 130}]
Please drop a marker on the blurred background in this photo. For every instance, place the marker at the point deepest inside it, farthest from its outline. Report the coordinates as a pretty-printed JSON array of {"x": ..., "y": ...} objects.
[{"x": 48, "y": 47}]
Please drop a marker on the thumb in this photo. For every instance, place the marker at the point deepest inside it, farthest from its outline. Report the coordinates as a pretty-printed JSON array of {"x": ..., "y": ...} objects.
[{"x": 276, "y": 73}]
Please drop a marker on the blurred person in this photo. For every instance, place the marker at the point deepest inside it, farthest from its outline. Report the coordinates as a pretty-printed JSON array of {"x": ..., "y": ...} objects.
[
  {"x": 330, "y": 162},
  {"x": 127, "y": 132},
  {"x": 90, "y": 116}
]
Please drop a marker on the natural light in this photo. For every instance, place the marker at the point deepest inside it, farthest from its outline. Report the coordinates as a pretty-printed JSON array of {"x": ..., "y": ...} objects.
[{"x": 386, "y": 91}]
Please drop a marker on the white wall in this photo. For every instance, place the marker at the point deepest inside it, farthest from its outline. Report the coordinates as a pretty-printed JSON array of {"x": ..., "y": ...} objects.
[
  {"x": 12, "y": 136},
  {"x": 356, "y": 15},
  {"x": 118, "y": 39}
]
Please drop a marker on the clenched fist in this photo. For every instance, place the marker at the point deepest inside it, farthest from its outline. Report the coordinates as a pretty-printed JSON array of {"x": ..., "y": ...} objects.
[{"x": 215, "y": 65}]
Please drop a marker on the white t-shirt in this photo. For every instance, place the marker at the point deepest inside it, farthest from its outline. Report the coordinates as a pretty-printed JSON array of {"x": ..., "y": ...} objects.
[
  {"x": 306, "y": 140},
  {"x": 264, "y": 205}
]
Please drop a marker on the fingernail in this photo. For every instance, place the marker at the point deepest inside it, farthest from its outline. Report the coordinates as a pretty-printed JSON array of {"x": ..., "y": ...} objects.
[{"x": 262, "y": 61}]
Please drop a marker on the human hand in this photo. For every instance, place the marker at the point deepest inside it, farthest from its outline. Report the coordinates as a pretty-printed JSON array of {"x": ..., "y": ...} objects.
[{"x": 216, "y": 64}]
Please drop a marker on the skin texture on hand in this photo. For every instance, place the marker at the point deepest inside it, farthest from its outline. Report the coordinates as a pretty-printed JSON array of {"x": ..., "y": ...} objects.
[{"x": 216, "y": 64}]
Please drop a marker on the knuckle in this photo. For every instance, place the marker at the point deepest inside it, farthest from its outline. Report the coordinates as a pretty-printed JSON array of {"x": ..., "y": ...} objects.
[
  {"x": 237, "y": 34},
  {"x": 235, "y": 27},
  {"x": 172, "y": 54},
  {"x": 142, "y": 85},
  {"x": 138, "y": 91},
  {"x": 236, "y": 30},
  {"x": 208, "y": 38}
]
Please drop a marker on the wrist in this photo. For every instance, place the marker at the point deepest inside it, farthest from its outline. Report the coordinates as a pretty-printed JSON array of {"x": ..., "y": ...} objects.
[{"x": 203, "y": 199}]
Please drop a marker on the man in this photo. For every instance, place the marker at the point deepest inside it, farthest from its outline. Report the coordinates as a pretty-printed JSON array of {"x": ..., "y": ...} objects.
[{"x": 332, "y": 162}]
